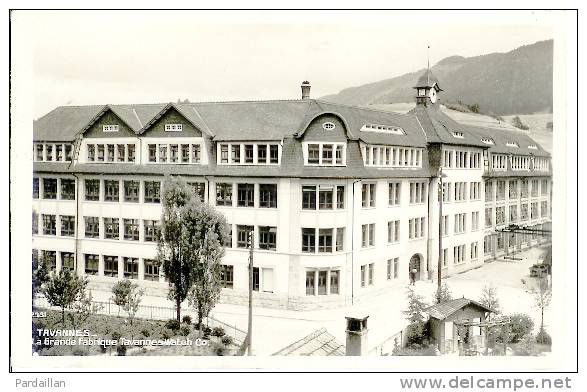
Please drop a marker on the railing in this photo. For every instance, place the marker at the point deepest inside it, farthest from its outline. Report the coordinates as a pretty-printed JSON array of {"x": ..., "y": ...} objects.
[
  {"x": 160, "y": 313},
  {"x": 388, "y": 345}
]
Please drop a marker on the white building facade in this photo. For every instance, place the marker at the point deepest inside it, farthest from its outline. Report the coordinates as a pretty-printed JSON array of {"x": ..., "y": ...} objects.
[{"x": 343, "y": 201}]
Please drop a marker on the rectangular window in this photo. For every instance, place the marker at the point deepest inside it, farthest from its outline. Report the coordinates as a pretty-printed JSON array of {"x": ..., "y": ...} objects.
[
  {"x": 131, "y": 152},
  {"x": 151, "y": 228},
  {"x": 310, "y": 283},
  {"x": 544, "y": 209},
  {"x": 91, "y": 152},
  {"x": 35, "y": 223},
  {"x": 417, "y": 192},
  {"x": 111, "y": 266},
  {"x": 67, "y": 225},
  {"x": 151, "y": 270},
  {"x": 534, "y": 211},
  {"x": 110, "y": 128},
  {"x": 325, "y": 197},
  {"x": 92, "y": 227},
  {"x": 322, "y": 279},
  {"x": 393, "y": 231},
  {"x": 173, "y": 127},
  {"x": 334, "y": 281},
  {"x": 395, "y": 267},
  {"x": 246, "y": 195},
  {"x": 40, "y": 152},
  {"x": 256, "y": 280},
  {"x": 59, "y": 152},
  {"x": 513, "y": 213},
  {"x": 313, "y": 154},
  {"x": 371, "y": 274},
  {"x": 131, "y": 268},
  {"x": 535, "y": 188},
  {"x": 67, "y": 189},
  {"x": 185, "y": 153},
  {"x": 223, "y": 153},
  {"x": 152, "y": 153},
  {"x": 49, "y": 226},
  {"x": 340, "y": 197},
  {"x": 394, "y": 193},
  {"x": 226, "y": 276},
  {"x": 49, "y": 188},
  {"x": 524, "y": 190},
  {"x": 249, "y": 148},
  {"x": 544, "y": 187},
  {"x": 474, "y": 251},
  {"x": 389, "y": 269},
  {"x": 327, "y": 154},
  {"x": 120, "y": 152},
  {"x": 92, "y": 190},
  {"x": 243, "y": 236},
  {"x": 91, "y": 267},
  {"x": 513, "y": 189},
  {"x": 111, "y": 228},
  {"x": 49, "y": 151},
  {"x": 488, "y": 217},
  {"x": 196, "y": 153},
  {"x": 100, "y": 153},
  {"x": 368, "y": 195},
  {"x": 309, "y": 197},
  {"x": 268, "y": 195},
  {"x": 162, "y": 153},
  {"x": 199, "y": 189},
  {"x": 152, "y": 192},
  {"x": 474, "y": 220},
  {"x": 274, "y": 154},
  {"x": 223, "y": 194},
  {"x": 235, "y": 153},
  {"x": 111, "y": 188},
  {"x": 340, "y": 239},
  {"x": 368, "y": 235},
  {"x": 35, "y": 188},
  {"x": 324, "y": 240},
  {"x": 267, "y": 237},
  {"x": 131, "y": 229},
  {"x": 228, "y": 239},
  {"x": 131, "y": 191},
  {"x": 261, "y": 154},
  {"x": 308, "y": 240},
  {"x": 364, "y": 275},
  {"x": 174, "y": 153},
  {"x": 67, "y": 261},
  {"x": 110, "y": 153},
  {"x": 488, "y": 191}
]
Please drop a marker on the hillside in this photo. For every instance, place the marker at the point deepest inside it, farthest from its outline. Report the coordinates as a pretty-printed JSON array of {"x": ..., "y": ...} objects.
[{"x": 519, "y": 81}]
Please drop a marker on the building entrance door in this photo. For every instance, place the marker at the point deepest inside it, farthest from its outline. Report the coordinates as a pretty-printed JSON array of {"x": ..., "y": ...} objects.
[{"x": 415, "y": 267}]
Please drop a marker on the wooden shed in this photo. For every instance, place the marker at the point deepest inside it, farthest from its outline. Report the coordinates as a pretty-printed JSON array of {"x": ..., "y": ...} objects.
[{"x": 450, "y": 324}]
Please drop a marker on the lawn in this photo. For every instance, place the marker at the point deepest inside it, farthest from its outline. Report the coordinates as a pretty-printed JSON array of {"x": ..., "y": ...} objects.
[{"x": 111, "y": 335}]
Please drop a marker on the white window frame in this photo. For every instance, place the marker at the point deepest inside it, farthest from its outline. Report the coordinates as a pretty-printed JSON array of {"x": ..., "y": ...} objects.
[
  {"x": 173, "y": 127},
  {"x": 110, "y": 128}
]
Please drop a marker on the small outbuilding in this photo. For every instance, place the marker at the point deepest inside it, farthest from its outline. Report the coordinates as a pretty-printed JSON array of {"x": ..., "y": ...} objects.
[{"x": 456, "y": 325}]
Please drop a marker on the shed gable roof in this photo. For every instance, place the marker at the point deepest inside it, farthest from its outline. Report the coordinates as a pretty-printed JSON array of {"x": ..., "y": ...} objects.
[{"x": 445, "y": 309}]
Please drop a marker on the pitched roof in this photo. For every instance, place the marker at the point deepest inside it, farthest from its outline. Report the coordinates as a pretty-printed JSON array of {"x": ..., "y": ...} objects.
[
  {"x": 427, "y": 79},
  {"x": 501, "y": 137},
  {"x": 64, "y": 122},
  {"x": 318, "y": 343},
  {"x": 445, "y": 309}
]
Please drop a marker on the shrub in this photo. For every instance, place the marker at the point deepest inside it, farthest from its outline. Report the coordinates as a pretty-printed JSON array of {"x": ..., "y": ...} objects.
[
  {"x": 517, "y": 122},
  {"x": 526, "y": 345},
  {"x": 543, "y": 337},
  {"x": 220, "y": 351},
  {"x": 185, "y": 330},
  {"x": 186, "y": 319},
  {"x": 226, "y": 340},
  {"x": 521, "y": 325},
  {"x": 116, "y": 335},
  {"x": 146, "y": 333},
  {"x": 121, "y": 350},
  {"x": 218, "y": 331},
  {"x": 166, "y": 334},
  {"x": 207, "y": 331},
  {"x": 173, "y": 325}
]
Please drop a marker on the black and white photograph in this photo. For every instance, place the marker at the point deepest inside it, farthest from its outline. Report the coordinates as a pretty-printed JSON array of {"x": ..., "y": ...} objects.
[{"x": 385, "y": 187}]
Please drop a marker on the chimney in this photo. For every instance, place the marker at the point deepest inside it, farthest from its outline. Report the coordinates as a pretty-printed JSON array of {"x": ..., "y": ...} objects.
[
  {"x": 356, "y": 336},
  {"x": 306, "y": 89}
]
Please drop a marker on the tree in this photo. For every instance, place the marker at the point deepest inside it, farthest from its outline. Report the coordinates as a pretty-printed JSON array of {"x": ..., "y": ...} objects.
[
  {"x": 83, "y": 306},
  {"x": 443, "y": 294},
  {"x": 207, "y": 231},
  {"x": 128, "y": 296},
  {"x": 62, "y": 290},
  {"x": 542, "y": 297},
  {"x": 41, "y": 273},
  {"x": 415, "y": 315},
  {"x": 489, "y": 298},
  {"x": 517, "y": 122},
  {"x": 170, "y": 247},
  {"x": 474, "y": 108}
]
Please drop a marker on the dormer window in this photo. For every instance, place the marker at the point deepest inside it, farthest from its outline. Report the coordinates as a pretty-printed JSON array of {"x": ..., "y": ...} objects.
[
  {"x": 533, "y": 147},
  {"x": 110, "y": 128},
  {"x": 173, "y": 127},
  {"x": 382, "y": 129},
  {"x": 487, "y": 141},
  {"x": 458, "y": 135},
  {"x": 328, "y": 126},
  {"x": 325, "y": 154},
  {"x": 512, "y": 144}
]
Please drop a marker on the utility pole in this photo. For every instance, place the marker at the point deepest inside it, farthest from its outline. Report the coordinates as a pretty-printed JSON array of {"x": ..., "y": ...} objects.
[
  {"x": 440, "y": 222},
  {"x": 250, "y": 326}
]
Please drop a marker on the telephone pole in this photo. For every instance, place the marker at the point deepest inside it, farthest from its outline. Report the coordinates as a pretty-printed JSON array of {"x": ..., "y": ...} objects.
[{"x": 250, "y": 327}]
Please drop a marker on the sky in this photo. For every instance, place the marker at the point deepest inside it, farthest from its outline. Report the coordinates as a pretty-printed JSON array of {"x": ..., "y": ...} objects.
[{"x": 112, "y": 57}]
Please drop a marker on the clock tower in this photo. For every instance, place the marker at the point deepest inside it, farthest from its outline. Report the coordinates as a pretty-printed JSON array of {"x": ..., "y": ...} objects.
[{"x": 427, "y": 89}]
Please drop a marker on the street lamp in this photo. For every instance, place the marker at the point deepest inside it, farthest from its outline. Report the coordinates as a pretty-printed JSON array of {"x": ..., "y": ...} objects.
[{"x": 441, "y": 175}]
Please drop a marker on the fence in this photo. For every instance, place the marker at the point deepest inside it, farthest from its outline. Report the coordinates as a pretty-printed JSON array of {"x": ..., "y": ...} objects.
[
  {"x": 160, "y": 313},
  {"x": 388, "y": 345}
]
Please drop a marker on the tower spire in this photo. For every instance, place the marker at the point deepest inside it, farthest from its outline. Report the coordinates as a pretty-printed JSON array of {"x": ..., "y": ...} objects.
[{"x": 428, "y": 63}]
